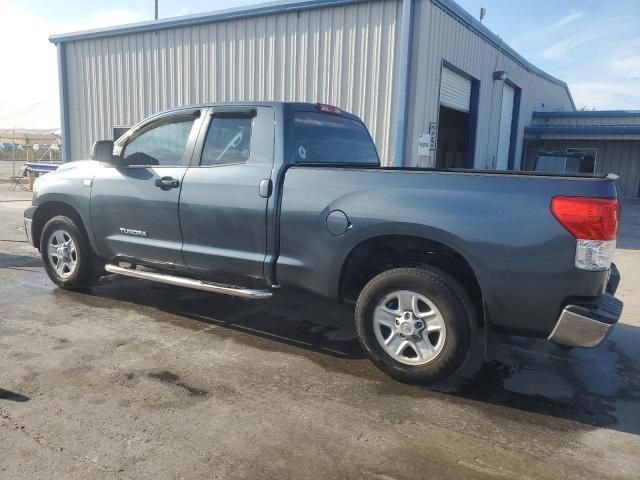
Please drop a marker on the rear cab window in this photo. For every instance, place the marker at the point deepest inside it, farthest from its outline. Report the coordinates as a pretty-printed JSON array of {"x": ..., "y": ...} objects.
[{"x": 331, "y": 138}]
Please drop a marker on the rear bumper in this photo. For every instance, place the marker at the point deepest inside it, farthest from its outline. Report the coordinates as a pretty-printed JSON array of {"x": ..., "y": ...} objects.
[{"x": 587, "y": 324}]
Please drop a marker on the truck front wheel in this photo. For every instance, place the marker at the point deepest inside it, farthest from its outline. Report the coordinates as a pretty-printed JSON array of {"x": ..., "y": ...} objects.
[
  {"x": 66, "y": 254},
  {"x": 416, "y": 324}
]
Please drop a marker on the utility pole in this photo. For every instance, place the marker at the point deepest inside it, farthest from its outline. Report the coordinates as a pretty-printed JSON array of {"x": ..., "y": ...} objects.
[
  {"x": 13, "y": 151},
  {"x": 156, "y": 16}
]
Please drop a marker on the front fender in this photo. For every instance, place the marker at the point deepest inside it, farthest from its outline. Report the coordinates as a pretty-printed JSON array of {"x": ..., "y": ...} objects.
[{"x": 69, "y": 187}]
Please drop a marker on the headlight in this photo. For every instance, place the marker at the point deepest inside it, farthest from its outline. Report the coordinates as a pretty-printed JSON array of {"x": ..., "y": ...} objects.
[{"x": 35, "y": 185}]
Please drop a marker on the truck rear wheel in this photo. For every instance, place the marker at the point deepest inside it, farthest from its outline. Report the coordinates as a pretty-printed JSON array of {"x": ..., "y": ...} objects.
[
  {"x": 416, "y": 324},
  {"x": 66, "y": 254}
]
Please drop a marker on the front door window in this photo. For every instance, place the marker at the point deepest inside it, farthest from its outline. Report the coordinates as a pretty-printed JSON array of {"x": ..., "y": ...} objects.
[{"x": 159, "y": 144}]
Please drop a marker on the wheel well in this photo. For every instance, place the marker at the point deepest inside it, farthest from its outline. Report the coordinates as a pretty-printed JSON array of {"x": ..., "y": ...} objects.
[
  {"x": 378, "y": 254},
  {"x": 48, "y": 210}
]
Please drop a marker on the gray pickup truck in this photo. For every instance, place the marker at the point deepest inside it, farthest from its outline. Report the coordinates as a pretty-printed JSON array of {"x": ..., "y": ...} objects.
[{"x": 241, "y": 199}]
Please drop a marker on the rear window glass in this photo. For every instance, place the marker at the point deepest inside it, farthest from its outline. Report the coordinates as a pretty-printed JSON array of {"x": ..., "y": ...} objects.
[{"x": 323, "y": 138}]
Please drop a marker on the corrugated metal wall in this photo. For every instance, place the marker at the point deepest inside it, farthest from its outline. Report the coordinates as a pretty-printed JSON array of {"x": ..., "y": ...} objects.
[
  {"x": 438, "y": 37},
  {"x": 621, "y": 157},
  {"x": 343, "y": 56}
]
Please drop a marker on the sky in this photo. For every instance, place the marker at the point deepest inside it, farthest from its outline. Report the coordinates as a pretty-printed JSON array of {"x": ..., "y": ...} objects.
[{"x": 593, "y": 45}]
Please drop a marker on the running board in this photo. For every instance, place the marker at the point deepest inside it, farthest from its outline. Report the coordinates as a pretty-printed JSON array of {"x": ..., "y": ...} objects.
[{"x": 190, "y": 283}]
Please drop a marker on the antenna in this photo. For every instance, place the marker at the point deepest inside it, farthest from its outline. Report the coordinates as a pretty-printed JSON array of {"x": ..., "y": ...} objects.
[
  {"x": 156, "y": 17},
  {"x": 483, "y": 12}
]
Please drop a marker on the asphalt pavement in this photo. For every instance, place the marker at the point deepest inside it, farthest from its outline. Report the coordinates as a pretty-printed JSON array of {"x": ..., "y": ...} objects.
[{"x": 140, "y": 380}]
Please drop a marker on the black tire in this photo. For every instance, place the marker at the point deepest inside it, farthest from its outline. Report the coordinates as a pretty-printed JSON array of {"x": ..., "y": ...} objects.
[
  {"x": 451, "y": 300},
  {"x": 84, "y": 274}
]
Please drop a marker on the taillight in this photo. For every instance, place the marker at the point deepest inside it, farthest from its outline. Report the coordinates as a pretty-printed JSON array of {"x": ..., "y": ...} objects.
[
  {"x": 328, "y": 109},
  {"x": 594, "y": 224},
  {"x": 587, "y": 218}
]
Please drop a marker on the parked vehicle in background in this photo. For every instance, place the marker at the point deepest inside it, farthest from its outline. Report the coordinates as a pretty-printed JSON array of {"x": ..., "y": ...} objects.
[{"x": 243, "y": 198}]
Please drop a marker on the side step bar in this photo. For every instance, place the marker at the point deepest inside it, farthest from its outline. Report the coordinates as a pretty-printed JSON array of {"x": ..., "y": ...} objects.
[{"x": 190, "y": 283}]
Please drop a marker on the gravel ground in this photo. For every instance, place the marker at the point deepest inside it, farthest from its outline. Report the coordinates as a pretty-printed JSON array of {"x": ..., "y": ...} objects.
[{"x": 140, "y": 380}]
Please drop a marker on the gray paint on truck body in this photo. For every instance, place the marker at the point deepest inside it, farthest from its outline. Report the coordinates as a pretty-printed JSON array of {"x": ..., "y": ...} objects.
[{"x": 500, "y": 223}]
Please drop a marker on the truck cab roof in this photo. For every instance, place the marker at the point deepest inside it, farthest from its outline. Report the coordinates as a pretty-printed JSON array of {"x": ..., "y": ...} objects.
[{"x": 289, "y": 107}]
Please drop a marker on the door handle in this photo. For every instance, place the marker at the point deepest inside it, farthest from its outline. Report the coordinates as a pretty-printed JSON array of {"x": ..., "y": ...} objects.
[
  {"x": 265, "y": 188},
  {"x": 166, "y": 183}
]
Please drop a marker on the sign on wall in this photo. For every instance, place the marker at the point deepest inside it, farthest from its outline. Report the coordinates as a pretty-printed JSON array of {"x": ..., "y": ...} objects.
[
  {"x": 433, "y": 136},
  {"x": 424, "y": 142},
  {"x": 427, "y": 142}
]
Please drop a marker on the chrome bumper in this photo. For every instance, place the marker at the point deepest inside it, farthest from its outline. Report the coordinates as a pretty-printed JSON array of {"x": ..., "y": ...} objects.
[
  {"x": 586, "y": 325},
  {"x": 27, "y": 229},
  {"x": 28, "y": 221}
]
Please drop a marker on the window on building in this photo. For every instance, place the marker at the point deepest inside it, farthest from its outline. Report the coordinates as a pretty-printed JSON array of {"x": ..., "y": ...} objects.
[
  {"x": 119, "y": 131},
  {"x": 228, "y": 141},
  {"x": 324, "y": 138},
  {"x": 160, "y": 143},
  {"x": 588, "y": 162}
]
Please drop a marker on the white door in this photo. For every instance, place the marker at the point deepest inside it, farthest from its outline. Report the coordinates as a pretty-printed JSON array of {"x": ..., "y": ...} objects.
[
  {"x": 506, "y": 120},
  {"x": 455, "y": 91}
]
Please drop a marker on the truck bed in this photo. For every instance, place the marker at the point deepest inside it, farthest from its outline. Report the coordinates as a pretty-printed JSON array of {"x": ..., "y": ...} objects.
[{"x": 499, "y": 222}]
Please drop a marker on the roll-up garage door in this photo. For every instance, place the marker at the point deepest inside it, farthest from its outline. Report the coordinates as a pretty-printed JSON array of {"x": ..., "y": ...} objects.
[
  {"x": 455, "y": 91},
  {"x": 506, "y": 120}
]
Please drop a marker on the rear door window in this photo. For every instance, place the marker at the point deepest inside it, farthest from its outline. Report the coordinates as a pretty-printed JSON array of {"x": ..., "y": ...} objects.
[
  {"x": 228, "y": 141},
  {"x": 325, "y": 138}
]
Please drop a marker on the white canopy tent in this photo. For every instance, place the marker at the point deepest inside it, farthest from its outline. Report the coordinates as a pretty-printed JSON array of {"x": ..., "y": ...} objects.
[
  {"x": 29, "y": 136},
  {"x": 40, "y": 144},
  {"x": 32, "y": 128}
]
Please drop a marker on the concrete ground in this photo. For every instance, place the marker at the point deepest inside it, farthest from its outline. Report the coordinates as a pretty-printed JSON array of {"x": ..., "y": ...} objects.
[{"x": 141, "y": 380}]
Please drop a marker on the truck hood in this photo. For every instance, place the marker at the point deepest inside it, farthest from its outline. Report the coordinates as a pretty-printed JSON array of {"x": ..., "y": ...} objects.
[
  {"x": 85, "y": 165},
  {"x": 67, "y": 174}
]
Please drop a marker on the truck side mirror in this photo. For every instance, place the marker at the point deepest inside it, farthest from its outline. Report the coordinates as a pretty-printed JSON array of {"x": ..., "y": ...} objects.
[{"x": 102, "y": 151}]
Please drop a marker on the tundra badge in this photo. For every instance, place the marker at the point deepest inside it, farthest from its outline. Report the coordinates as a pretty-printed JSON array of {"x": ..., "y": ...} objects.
[{"x": 133, "y": 232}]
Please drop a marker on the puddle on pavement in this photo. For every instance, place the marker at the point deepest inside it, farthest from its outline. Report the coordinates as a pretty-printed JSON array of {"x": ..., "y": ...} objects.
[
  {"x": 172, "y": 379},
  {"x": 588, "y": 388},
  {"x": 592, "y": 388}
]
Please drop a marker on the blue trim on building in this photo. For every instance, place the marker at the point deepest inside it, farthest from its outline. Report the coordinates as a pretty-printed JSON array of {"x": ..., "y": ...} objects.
[
  {"x": 592, "y": 130},
  {"x": 587, "y": 114},
  {"x": 455, "y": 69},
  {"x": 468, "y": 20},
  {"x": 64, "y": 101},
  {"x": 404, "y": 79},
  {"x": 281, "y": 6}
]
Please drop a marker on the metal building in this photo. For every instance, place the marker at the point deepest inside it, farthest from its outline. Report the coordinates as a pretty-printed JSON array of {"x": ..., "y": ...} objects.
[
  {"x": 611, "y": 139},
  {"x": 434, "y": 86}
]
